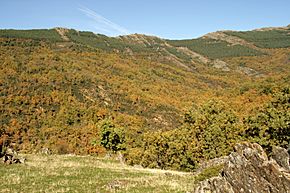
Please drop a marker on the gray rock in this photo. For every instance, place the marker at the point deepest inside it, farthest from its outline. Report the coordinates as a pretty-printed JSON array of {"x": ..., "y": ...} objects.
[
  {"x": 45, "y": 151},
  {"x": 214, "y": 185},
  {"x": 249, "y": 170},
  {"x": 281, "y": 156},
  {"x": 10, "y": 156},
  {"x": 219, "y": 64},
  {"x": 211, "y": 163}
]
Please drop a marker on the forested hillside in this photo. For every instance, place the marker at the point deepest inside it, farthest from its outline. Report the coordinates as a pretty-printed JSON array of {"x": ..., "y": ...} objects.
[{"x": 162, "y": 103}]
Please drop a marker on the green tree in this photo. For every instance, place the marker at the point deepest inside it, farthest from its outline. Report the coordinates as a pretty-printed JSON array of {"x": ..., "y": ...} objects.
[
  {"x": 271, "y": 125},
  {"x": 214, "y": 127},
  {"x": 209, "y": 131},
  {"x": 112, "y": 137}
]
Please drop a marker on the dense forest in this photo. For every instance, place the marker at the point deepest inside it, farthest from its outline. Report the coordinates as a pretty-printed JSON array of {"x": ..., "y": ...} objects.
[{"x": 167, "y": 104}]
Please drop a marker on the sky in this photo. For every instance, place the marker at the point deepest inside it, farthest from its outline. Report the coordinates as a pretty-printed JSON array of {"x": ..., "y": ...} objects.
[{"x": 171, "y": 19}]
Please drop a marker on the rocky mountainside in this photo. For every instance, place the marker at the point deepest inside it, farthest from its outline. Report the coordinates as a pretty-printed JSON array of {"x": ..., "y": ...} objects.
[{"x": 250, "y": 170}]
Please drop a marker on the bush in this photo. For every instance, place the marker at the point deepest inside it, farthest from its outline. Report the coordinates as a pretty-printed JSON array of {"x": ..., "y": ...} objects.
[
  {"x": 165, "y": 150},
  {"x": 62, "y": 147}
]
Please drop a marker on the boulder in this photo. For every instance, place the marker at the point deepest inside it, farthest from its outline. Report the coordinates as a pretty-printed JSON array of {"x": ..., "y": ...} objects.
[
  {"x": 249, "y": 170},
  {"x": 10, "y": 156},
  {"x": 281, "y": 156},
  {"x": 45, "y": 151}
]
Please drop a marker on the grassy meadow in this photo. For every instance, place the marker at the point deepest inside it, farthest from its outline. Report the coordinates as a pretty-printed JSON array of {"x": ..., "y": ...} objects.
[{"x": 70, "y": 173}]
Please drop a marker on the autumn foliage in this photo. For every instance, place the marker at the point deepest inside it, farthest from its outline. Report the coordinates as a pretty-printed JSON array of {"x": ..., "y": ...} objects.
[{"x": 86, "y": 97}]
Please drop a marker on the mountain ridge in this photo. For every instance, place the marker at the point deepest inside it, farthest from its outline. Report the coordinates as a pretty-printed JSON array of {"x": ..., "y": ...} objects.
[
  {"x": 205, "y": 49},
  {"x": 156, "y": 36}
]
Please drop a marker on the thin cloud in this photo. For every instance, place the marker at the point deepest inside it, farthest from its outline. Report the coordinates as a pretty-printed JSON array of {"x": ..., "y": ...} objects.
[
  {"x": 103, "y": 24},
  {"x": 102, "y": 30}
]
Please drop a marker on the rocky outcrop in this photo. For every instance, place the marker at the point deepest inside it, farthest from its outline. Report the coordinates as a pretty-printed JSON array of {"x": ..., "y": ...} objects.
[
  {"x": 232, "y": 40},
  {"x": 62, "y": 32},
  {"x": 281, "y": 156},
  {"x": 10, "y": 156},
  {"x": 249, "y": 170},
  {"x": 249, "y": 71},
  {"x": 219, "y": 64},
  {"x": 211, "y": 163},
  {"x": 145, "y": 40},
  {"x": 193, "y": 55},
  {"x": 272, "y": 28}
]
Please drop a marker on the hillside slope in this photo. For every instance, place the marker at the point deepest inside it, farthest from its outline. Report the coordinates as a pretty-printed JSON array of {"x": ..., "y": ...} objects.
[{"x": 60, "y": 83}]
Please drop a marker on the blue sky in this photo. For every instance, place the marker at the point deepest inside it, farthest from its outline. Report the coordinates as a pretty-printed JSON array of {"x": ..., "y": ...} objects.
[{"x": 173, "y": 19}]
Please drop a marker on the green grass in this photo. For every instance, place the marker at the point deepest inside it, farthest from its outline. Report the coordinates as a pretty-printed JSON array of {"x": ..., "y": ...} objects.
[{"x": 62, "y": 173}]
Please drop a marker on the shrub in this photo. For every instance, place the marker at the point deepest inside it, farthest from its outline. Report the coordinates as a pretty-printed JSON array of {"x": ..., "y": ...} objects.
[
  {"x": 62, "y": 147},
  {"x": 165, "y": 150}
]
